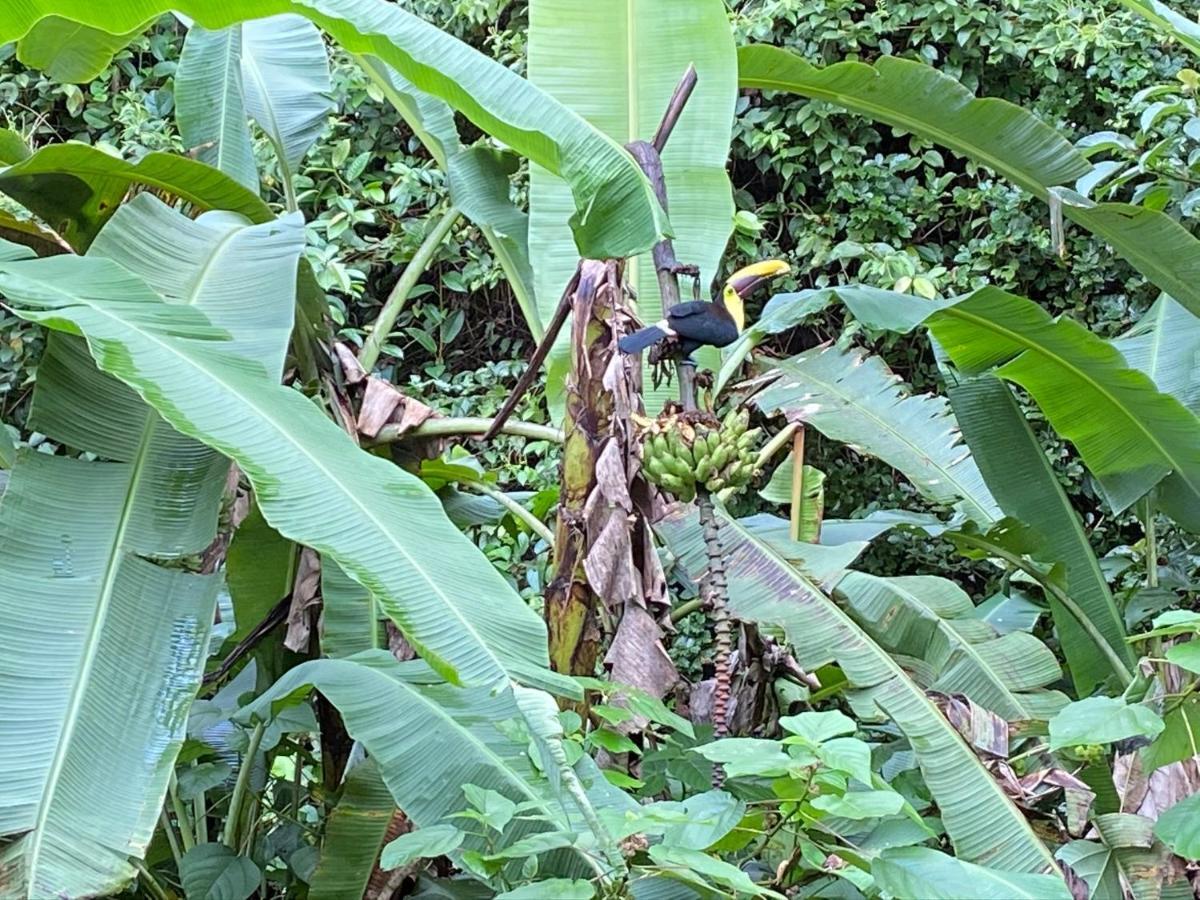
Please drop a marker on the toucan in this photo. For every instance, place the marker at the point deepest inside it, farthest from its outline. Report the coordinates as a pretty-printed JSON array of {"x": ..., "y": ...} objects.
[{"x": 703, "y": 324}]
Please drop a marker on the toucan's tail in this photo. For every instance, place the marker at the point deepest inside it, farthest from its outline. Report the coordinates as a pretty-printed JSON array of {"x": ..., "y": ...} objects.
[{"x": 640, "y": 340}]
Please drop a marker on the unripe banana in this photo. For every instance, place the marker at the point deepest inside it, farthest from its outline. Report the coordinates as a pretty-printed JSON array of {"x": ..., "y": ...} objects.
[
  {"x": 658, "y": 445},
  {"x": 673, "y": 485},
  {"x": 653, "y": 467},
  {"x": 705, "y": 469},
  {"x": 679, "y": 450},
  {"x": 714, "y": 484},
  {"x": 676, "y": 467},
  {"x": 748, "y": 439}
]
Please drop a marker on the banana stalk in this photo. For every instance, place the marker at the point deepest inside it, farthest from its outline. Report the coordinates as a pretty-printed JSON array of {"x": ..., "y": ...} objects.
[{"x": 714, "y": 590}]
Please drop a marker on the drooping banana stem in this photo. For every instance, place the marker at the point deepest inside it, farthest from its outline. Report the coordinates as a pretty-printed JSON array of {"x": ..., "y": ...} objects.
[{"x": 714, "y": 589}]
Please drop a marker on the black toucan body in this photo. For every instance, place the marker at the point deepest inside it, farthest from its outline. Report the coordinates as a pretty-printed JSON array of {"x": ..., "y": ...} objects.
[{"x": 701, "y": 324}]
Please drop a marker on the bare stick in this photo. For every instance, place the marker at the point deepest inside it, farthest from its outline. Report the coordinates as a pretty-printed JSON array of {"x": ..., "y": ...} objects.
[
  {"x": 679, "y": 99},
  {"x": 797, "y": 480},
  {"x": 666, "y": 265}
]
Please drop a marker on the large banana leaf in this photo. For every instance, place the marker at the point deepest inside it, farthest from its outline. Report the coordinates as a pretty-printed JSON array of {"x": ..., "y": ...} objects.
[
  {"x": 273, "y": 70},
  {"x": 76, "y": 188},
  {"x": 854, "y": 398},
  {"x": 616, "y": 214},
  {"x": 380, "y": 524},
  {"x": 210, "y": 105},
  {"x": 67, "y": 52},
  {"x": 931, "y": 619},
  {"x": 285, "y": 73},
  {"x": 102, "y": 652},
  {"x": 1129, "y": 434},
  {"x": 438, "y": 735},
  {"x": 77, "y": 586},
  {"x": 1165, "y": 344},
  {"x": 616, "y": 65},
  {"x": 983, "y": 824},
  {"x": 1004, "y": 137},
  {"x": 1026, "y": 487}
]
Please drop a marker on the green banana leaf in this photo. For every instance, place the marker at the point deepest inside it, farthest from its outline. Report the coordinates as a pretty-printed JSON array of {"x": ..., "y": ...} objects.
[
  {"x": 616, "y": 214},
  {"x": 1129, "y": 434},
  {"x": 349, "y": 614},
  {"x": 1165, "y": 344},
  {"x": 354, "y": 835},
  {"x": 67, "y": 52},
  {"x": 210, "y": 106},
  {"x": 1011, "y": 141},
  {"x": 931, "y": 619},
  {"x": 922, "y": 873},
  {"x": 1127, "y": 851},
  {"x": 617, "y": 65},
  {"x": 285, "y": 75},
  {"x": 1026, "y": 487},
  {"x": 983, "y": 824},
  {"x": 78, "y": 583},
  {"x": 852, "y": 397},
  {"x": 812, "y": 500},
  {"x": 274, "y": 70},
  {"x": 76, "y": 188},
  {"x": 313, "y": 485},
  {"x": 435, "y": 734}
]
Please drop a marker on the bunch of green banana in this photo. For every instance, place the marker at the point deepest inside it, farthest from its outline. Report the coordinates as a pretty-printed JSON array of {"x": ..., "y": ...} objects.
[{"x": 681, "y": 453}]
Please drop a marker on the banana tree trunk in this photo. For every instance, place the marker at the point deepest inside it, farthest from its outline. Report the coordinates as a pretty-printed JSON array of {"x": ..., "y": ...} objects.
[{"x": 593, "y": 554}]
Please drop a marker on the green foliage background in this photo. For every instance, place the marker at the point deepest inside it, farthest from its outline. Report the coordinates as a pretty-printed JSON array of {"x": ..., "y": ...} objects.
[{"x": 841, "y": 198}]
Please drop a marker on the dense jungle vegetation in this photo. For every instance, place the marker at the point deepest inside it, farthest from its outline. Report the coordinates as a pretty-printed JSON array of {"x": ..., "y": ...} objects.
[{"x": 895, "y": 596}]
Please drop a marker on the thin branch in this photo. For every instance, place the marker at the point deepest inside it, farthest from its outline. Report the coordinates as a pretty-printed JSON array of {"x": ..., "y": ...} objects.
[
  {"x": 277, "y": 615},
  {"x": 394, "y": 305},
  {"x": 229, "y": 838},
  {"x": 468, "y": 425},
  {"x": 666, "y": 265},
  {"x": 536, "y": 524}
]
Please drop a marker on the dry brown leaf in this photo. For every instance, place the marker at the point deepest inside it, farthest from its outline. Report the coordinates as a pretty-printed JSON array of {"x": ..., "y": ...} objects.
[
  {"x": 352, "y": 369},
  {"x": 609, "y": 564},
  {"x": 306, "y": 594},
  {"x": 378, "y": 404},
  {"x": 637, "y": 656}
]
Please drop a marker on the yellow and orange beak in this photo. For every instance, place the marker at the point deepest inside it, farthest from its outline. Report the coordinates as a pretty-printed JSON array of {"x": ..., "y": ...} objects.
[{"x": 743, "y": 282}]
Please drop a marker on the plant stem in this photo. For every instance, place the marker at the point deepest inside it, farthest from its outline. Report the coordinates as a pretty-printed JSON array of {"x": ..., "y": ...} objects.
[
  {"x": 394, "y": 304},
  {"x": 714, "y": 590},
  {"x": 185, "y": 826},
  {"x": 536, "y": 524},
  {"x": 1059, "y": 594},
  {"x": 1151, "y": 543},
  {"x": 797, "y": 482},
  {"x": 149, "y": 882},
  {"x": 169, "y": 831},
  {"x": 686, "y": 609},
  {"x": 468, "y": 425},
  {"x": 229, "y": 838}
]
